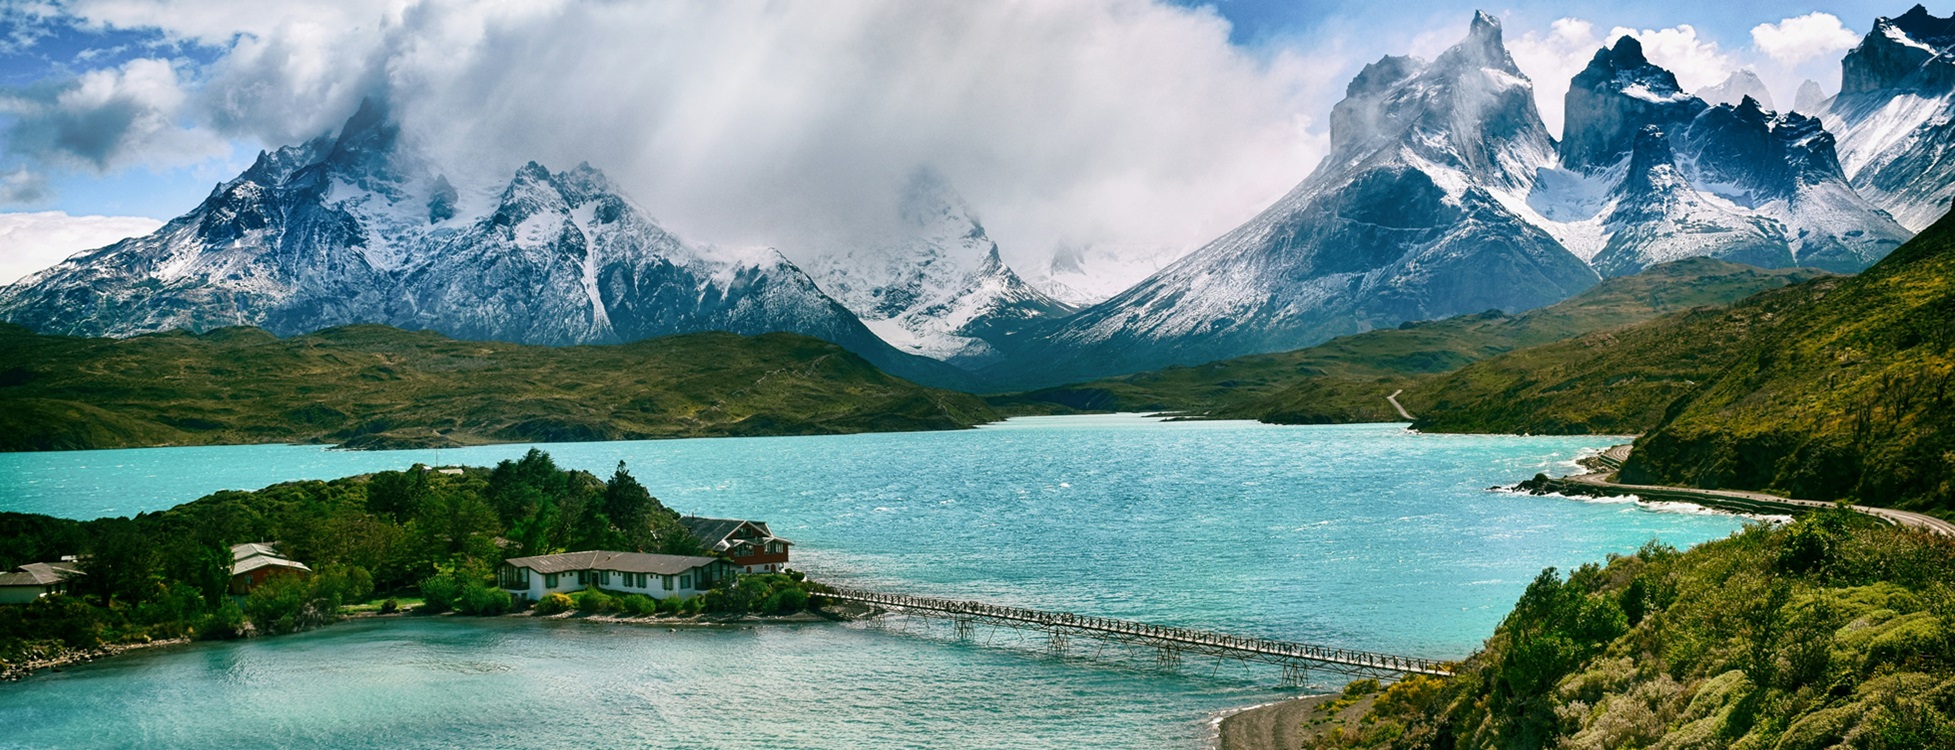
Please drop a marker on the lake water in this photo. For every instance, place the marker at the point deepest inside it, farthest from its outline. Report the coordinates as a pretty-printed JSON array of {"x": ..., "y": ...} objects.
[{"x": 1364, "y": 536}]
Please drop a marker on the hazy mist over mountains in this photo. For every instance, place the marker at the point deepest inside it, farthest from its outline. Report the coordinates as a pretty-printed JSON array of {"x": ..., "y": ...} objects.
[{"x": 920, "y": 220}]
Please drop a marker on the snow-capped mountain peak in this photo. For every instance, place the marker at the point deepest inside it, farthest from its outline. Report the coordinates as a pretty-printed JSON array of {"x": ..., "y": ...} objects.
[
  {"x": 1895, "y": 116},
  {"x": 1737, "y": 87},
  {"x": 361, "y": 229},
  {"x": 937, "y": 287}
]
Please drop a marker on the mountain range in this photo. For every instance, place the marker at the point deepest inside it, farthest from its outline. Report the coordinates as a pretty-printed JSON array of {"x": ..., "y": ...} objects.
[{"x": 1443, "y": 194}]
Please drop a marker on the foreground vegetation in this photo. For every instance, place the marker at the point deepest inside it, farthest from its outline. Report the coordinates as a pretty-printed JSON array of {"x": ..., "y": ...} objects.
[
  {"x": 1833, "y": 632},
  {"x": 1346, "y": 379},
  {"x": 371, "y": 386},
  {"x": 432, "y": 536}
]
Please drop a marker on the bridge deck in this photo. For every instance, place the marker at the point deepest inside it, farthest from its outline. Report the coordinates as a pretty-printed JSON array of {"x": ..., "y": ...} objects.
[{"x": 1167, "y": 638}]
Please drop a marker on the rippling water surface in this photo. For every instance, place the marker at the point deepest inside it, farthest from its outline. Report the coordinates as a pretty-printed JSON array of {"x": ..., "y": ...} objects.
[{"x": 1365, "y": 536}]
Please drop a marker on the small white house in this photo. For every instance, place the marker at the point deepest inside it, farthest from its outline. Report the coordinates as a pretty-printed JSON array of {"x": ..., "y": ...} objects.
[
  {"x": 656, "y": 576},
  {"x": 35, "y": 580}
]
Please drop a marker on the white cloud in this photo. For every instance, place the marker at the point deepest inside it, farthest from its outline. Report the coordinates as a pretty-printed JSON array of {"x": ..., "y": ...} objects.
[
  {"x": 108, "y": 119},
  {"x": 1801, "y": 38},
  {"x": 1101, "y": 122},
  {"x": 1552, "y": 59},
  {"x": 1697, "y": 61},
  {"x": 30, "y": 242},
  {"x": 22, "y": 186}
]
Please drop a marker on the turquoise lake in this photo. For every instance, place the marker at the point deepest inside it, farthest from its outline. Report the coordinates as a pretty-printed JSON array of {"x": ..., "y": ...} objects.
[{"x": 1363, "y": 536}]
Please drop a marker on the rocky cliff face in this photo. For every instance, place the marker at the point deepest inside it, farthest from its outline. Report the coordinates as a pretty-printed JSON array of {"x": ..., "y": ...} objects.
[
  {"x": 356, "y": 229},
  {"x": 1651, "y": 174},
  {"x": 1613, "y": 99},
  {"x": 939, "y": 289},
  {"x": 1895, "y": 116}
]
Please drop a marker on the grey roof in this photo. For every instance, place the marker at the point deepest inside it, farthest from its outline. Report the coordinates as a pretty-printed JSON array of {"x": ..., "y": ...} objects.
[
  {"x": 265, "y": 561},
  {"x": 250, "y": 549},
  {"x": 713, "y": 532},
  {"x": 251, "y": 556},
  {"x": 623, "y": 562},
  {"x": 40, "y": 574}
]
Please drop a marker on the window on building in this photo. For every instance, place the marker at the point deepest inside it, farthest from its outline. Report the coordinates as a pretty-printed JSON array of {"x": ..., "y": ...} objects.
[
  {"x": 583, "y": 578},
  {"x": 685, "y": 582},
  {"x": 667, "y": 581},
  {"x": 549, "y": 580}
]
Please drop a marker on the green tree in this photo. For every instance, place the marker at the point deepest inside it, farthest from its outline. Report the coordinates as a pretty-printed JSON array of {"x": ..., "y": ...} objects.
[{"x": 121, "y": 563}]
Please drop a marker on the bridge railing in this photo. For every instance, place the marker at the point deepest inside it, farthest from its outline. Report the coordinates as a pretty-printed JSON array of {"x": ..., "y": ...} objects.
[{"x": 1162, "y": 633}]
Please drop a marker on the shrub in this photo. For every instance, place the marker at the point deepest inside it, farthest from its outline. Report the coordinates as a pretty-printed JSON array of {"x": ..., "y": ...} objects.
[
  {"x": 638, "y": 605},
  {"x": 286, "y": 604},
  {"x": 554, "y": 603},
  {"x": 786, "y": 601},
  {"x": 227, "y": 622},
  {"x": 481, "y": 599},
  {"x": 669, "y": 606},
  {"x": 390, "y": 606},
  {"x": 593, "y": 601},
  {"x": 440, "y": 591},
  {"x": 692, "y": 605}
]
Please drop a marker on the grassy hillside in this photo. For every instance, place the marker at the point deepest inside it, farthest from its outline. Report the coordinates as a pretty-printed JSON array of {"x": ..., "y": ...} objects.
[
  {"x": 1832, "y": 389},
  {"x": 1347, "y": 379},
  {"x": 380, "y": 387},
  {"x": 1830, "y": 633},
  {"x": 1848, "y": 397},
  {"x": 1614, "y": 382}
]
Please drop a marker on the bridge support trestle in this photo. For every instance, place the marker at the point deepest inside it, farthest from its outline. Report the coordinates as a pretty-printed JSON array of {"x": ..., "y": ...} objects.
[
  {"x": 1294, "y": 675},
  {"x": 1167, "y": 658},
  {"x": 1056, "y": 643}
]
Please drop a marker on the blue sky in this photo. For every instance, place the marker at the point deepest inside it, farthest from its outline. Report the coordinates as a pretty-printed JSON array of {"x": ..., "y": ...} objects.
[{"x": 1110, "y": 122}]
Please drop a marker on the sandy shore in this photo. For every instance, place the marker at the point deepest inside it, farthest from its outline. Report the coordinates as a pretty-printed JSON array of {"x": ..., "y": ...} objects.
[{"x": 1285, "y": 725}]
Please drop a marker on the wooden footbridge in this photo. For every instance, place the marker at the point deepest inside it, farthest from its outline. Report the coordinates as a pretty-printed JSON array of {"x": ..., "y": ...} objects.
[{"x": 1168, "y": 643}]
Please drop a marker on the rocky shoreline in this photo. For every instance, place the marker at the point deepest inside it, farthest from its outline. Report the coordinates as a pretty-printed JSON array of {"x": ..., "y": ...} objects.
[{"x": 11, "y": 672}]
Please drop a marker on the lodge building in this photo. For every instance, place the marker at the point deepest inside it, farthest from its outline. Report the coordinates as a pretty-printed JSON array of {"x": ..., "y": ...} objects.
[
  {"x": 749, "y": 544},
  {"x": 656, "y": 576}
]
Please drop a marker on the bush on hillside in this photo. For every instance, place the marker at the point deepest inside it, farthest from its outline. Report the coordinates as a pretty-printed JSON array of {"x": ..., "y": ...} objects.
[{"x": 1834, "y": 631}]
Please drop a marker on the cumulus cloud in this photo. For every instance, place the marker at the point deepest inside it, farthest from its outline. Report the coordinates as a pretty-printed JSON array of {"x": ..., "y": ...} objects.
[
  {"x": 108, "y": 119},
  {"x": 1554, "y": 57},
  {"x": 1698, "y": 61},
  {"x": 1095, "y": 122},
  {"x": 1801, "y": 38},
  {"x": 22, "y": 186},
  {"x": 30, "y": 242}
]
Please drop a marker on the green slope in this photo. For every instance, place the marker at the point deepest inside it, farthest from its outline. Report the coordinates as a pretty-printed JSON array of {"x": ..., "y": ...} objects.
[
  {"x": 1847, "y": 397},
  {"x": 1830, "y": 633},
  {"x": 1838, "y": 388},
  {"x": 380, "y": 387},
  {"x": 1615, "y": 382},
  {"x": 1346, "y": 379}
]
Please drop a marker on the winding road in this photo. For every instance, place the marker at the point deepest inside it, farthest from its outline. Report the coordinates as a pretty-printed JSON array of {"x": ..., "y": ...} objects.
[
  {"x": 1401, "y": 410},
  {"x": 1751, "y": 502}
]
